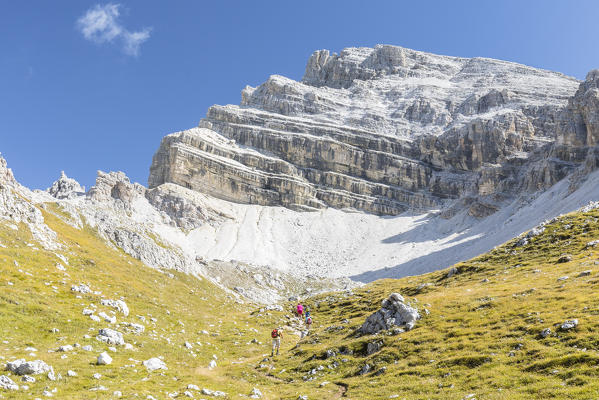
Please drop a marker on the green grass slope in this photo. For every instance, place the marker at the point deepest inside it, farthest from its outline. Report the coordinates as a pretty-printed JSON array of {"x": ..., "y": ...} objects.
[{"x": 480, "y": 336}]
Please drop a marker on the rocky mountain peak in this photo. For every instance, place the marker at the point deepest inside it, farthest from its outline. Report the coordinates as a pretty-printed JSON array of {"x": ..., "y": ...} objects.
[
  {"x": 65, "y": 188},
  {"x": 382, "y": 130},
  {"x": 115, "y": 186},
  {"x": 6, "y": 175}
]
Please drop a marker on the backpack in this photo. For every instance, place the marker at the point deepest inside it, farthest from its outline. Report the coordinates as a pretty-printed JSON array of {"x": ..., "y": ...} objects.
[
  {"x": 309, "y": 321},
  {"x": 274, "y": 334}
]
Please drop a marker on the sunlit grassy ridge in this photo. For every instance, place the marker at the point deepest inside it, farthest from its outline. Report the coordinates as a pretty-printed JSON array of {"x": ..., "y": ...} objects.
[{"x": 481, "y": 336}]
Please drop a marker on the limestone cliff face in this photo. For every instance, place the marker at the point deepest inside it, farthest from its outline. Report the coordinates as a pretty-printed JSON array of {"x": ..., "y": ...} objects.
[{"x": 384, "y": 130}]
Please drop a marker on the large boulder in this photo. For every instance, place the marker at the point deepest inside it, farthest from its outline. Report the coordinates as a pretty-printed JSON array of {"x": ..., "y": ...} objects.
[
  {"x": 394, "y": 312},
  {"x": 22, "y": 367},
  {"x": 154, "y": 363}
]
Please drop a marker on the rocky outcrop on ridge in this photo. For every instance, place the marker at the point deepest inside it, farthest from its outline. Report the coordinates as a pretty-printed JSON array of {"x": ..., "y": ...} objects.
[
  {"x": 380, "y": 130},
  {"x": 16, "y": 208},
  {"x": 65, "y": 188}
]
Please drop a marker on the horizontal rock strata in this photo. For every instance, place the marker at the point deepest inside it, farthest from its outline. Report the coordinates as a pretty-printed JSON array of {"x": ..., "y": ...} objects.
[{"x": 384, "y": 130}]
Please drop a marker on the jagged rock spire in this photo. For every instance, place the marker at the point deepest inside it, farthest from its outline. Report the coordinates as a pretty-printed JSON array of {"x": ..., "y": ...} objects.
[{"x": 65, "y": 187}]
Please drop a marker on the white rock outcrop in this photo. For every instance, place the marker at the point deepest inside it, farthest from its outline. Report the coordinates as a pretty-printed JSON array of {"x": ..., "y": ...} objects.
[
  {"x": 394, "y": 312},
  {"x": 17, "y": 206},
  {"x": 119, "y": 305},
  {"x": 110, "y": 336},
  {"x": 569, "y": 324},
  {"x": 104, "y": 359},
  {"x": 22, "y": 367},
  {"x": 154, "y": 364},
  {"x": 65, "y": 188}
]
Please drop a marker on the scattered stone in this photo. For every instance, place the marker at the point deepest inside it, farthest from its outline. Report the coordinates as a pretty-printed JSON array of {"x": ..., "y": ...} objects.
[
  {"x": 365, "y": 369},
  {"x": 65, "y": 348},
  {"x": 452, "y": 271},
  {"x": 28, "y": 379},
  {"x": 154, "y": 363},
  {"x": 133, "y": 327},
  {"x": 117, "y": 393},
  {"x": 87, "y": 348},
  {"x": 71, "y": 373},
  {"x": 104, "y": 359},
  {"x": 545, "y": 332},
  {"x": 97, "y": 376},
  {"x": 188, "y": 393},
  {"x": 373, "y": 347},
  {"x": 81, "y": 288},
  {"x": 255, "y": 394},
  {"x": 212, "y": 364},
  {"x": 107, "y": 318},
  {"x": 564, "y": 258},
  {"x": 393, "y": 312},
  {"x": 563, "y": 278},
  {"x": 110, "y": 336},
  {"x": 188, "y": 345},
  {"x": 119, "y": 305},
  {"x": 193, "y": 387},
  {"x": 592, "y": 244},
  {"x": 215, "y": 393},
  {"x": 569, "y": 324},
  {"x": 7, "y": 383},
  {"x": 380, "y": 371},
  {"x": 584, "y": 273}
]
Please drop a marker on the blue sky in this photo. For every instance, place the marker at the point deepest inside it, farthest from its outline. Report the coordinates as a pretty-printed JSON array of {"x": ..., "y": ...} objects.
[{"x": 100, "y": 94}]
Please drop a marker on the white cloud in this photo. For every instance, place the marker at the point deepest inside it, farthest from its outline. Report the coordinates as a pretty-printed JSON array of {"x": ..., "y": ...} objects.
[
  {"x": 101, "y": 24},
  {"x": 133, "y": 41}
]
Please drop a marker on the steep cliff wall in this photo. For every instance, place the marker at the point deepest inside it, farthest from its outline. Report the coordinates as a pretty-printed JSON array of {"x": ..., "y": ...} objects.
[{"x": 380, "y": 130}]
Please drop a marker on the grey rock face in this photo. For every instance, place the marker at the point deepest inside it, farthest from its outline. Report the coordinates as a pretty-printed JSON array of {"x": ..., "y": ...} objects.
[
  {"x": 185, "y": 208},
  {"x": 579, "y": 123},
  {"x": 383, "y": 130},
  {"x": 394, "y": 312}
]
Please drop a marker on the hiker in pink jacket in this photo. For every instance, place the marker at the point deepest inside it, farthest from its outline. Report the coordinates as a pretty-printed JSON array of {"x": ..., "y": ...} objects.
[{"x": 300, "y": 310}]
